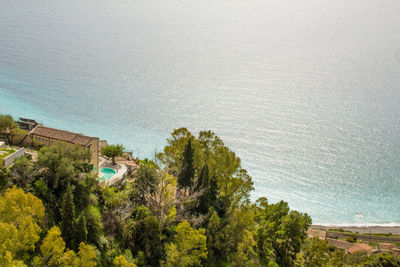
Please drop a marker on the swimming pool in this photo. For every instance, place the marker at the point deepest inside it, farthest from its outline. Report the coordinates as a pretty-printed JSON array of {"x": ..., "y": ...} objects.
[{"x": 106, "y": 173}]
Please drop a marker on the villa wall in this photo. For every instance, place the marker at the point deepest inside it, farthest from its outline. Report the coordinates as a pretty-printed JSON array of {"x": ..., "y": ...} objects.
[
  {"x": 94, "y": 154},
  {"x": 7, "y": 161}
]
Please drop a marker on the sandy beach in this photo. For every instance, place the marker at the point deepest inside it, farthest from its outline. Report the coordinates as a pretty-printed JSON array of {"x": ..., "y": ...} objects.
[{"x": 362, "y": 229}]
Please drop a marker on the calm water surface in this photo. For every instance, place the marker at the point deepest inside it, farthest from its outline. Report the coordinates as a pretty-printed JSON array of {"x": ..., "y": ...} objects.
[{"x": 306, "y": 92}]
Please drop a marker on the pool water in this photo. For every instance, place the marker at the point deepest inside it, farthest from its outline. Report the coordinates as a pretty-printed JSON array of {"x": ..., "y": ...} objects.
[{"x": 106, "y": 173}]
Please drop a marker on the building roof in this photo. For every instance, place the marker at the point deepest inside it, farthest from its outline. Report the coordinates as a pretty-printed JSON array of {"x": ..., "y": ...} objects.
[
  {"x": 25, "y": 120},
  {"x": 359, "y": 247},
  {"x": 62, "y": 135}
]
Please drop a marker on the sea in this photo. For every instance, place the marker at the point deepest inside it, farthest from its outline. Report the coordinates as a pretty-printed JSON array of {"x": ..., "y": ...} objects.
[{"x": 307, "y": 93}]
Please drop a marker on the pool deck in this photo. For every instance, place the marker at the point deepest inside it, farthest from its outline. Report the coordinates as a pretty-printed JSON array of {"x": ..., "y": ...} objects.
[{"x": 120, "y": 170}]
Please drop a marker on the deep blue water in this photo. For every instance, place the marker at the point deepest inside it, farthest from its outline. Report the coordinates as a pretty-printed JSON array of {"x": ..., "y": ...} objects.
[{"x": 306, "y": 92}]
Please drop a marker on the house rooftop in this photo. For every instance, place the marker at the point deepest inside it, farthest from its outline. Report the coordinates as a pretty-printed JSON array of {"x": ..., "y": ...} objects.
[{"x": 62, "y": 135}]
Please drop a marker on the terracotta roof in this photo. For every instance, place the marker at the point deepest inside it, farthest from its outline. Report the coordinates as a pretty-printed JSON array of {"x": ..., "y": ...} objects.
[
  {"x": 62, "y": 135},
  {"x": 359, "y": 247}
]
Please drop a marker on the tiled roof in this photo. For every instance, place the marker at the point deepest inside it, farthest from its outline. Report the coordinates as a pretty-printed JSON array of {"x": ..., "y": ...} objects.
[{"x": 62, "y": 135}]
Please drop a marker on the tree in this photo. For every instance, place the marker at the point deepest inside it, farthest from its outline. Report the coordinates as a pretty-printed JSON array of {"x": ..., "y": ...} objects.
[
  {"x": 52, "y": 248},
  {"x": 155, "y": 189},
  {"x": 53, "y": 252},
  {"x": 112, "y": 151},
  {"x": 8, "y": 127},
  {"x": 86, "y": 256},
  {"x": 120, "y": 261},
  {"x": 203, "y": 185},
  {"x": 142, "y": 232},
  {"x": 60, "y": 163},
  {"x": 68, "y": 217},
  {"x": 20, "y": 216},
  {"x": 315, "y": 253},
  {"x": 216, "y": 241},
  {"x": 245, "y": 254},
  {"x": 57, "y": 166},
  {"x": 189, "y": 247},
  {"x": 172, "y": 155},
  {"x": 187, "y": 171},
  {"x": 81, "y": 232},
  {"x": 280, "y": 232},
  {"x": 382, "y": 260},
  {"x": 93, "y": 224},
  {"x": 22, "y": 172},
  {"x": 234, "y": 183}
]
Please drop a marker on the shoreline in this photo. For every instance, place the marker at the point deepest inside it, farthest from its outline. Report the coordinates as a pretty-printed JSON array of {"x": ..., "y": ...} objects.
[{"x": 367, "y": 228}]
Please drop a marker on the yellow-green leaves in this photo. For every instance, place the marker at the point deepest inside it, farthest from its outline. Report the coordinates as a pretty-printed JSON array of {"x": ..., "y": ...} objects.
[
  {"x": 54, "y": 254},
  {"x": 189, "y": 246},
  {"x": 52, "y": 247},
  {"x": 20, "y": 214},
  {"x": 120, "y": 261}
]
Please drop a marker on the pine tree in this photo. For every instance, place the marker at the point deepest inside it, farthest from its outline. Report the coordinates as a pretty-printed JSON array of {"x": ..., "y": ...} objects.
[
  {"x": 186, "y": 174},
  {"x": 213, "y": 190},
  {"x": 81, "y": 231},
  {"x": 68, "y": 216},
  {"x": 204, "y": 178},
  {"x": 203, "y": 184}
]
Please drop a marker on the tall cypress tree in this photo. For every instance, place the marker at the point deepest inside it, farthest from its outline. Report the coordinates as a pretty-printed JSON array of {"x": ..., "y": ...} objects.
[
  {"x": 203, "y": 184},
  {"x": 81, "y": 231},
  {"x": 68, "y": 216},
  {"x": 186, "y": 174},
  {"x": 213, "y": 191},
  {"x": 203, "y": 179}
]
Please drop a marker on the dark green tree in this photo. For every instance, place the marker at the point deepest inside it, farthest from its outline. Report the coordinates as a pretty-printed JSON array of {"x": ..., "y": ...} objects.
[
  {"x": 142, "y": 233},
  {"x": 59, "y": 164},
  {"x": 187, "y": 171},
  {"x": 83, "y": 191},
  {"x": 94, "y": 224},
  {"x": 216, "y": 241},
  {"x": 280, "y": 233},
  {"x": 68, "y": 217},
  {"x": 146, "y": 184},
  {"x": 213, "y": 191},
  {"x": 81, "y": 231},
  {"x": 7, "y": 127},
  {"x": 203, "y": 182},
  {"x": 204, "y": 178}
]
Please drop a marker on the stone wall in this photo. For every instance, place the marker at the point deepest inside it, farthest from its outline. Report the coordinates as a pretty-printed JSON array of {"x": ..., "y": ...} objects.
[{"x": 7, "y": 161}]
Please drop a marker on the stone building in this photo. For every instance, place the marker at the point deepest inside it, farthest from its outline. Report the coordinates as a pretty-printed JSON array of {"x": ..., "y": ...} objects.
[{"x": 47, "y": 136}]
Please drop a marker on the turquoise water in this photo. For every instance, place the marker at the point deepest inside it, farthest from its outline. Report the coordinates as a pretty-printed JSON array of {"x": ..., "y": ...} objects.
[
  {"x": 107, "y": 173},
  {"x": 306, "y": 92}
]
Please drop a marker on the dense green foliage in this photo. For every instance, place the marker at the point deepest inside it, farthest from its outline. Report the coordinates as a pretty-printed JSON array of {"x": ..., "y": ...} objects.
[
  {"x": 193, "y": 211},
  {"x": 7, "y": 127}
]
